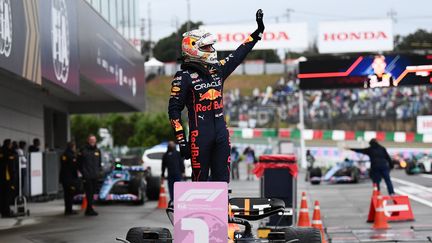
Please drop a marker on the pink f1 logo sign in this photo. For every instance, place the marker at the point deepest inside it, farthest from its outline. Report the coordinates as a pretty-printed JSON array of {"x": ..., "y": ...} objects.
[{"x": 200, "y": 212}]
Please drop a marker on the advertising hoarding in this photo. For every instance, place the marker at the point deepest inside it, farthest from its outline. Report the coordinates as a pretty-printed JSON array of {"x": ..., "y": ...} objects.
[
  {"x": 59, "y": 43},
  {"x": 276, "y": 36},
  {"x": 36, "y": 174},
  {"x": 372, "y": 71},
  {"x": 355, "y": 36},
  {"x": 109, "y": 60},
  {"x": 19, "y": 38},
  {"x": 424, "y": 124}
]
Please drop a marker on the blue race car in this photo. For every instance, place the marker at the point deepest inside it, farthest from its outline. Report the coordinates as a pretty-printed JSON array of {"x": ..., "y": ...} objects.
[
  {"x": 125, "y": 183},
  {"x": 347, "y": 171}
]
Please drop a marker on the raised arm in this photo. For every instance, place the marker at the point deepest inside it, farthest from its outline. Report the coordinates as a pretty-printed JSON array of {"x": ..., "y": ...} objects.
[
  {"x": 234, "y": 59},
  {"x": 362, "y": 151}
]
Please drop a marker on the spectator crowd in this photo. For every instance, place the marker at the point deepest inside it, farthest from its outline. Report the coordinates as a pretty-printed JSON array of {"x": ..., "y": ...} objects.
[{"x": 281, "y": 101}]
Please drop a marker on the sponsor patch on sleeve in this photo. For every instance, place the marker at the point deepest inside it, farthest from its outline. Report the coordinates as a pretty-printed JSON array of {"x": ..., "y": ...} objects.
[
  {"x": 249, "y": 39},
  {"x": 176, "y": 124}
]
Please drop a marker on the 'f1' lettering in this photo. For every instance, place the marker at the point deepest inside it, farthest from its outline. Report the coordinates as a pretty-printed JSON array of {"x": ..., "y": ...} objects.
[{"x": 209, "y": 195}]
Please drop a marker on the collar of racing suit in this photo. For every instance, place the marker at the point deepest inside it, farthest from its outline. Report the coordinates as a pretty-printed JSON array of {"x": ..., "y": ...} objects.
[{"x": 195, "y": 66}]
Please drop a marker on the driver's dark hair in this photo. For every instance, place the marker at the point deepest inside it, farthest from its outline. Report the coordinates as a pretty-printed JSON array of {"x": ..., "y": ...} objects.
[
  {"x": 373, "y": 142},
  {"x": 171, "y": 146}
]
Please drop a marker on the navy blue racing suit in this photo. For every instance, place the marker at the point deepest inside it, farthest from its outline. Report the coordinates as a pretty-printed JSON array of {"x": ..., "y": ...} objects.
[{"x": 199, "y": 87}]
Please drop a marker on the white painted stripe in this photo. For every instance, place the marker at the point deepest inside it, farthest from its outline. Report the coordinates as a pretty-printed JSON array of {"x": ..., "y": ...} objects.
[
  {"x": 379, "y": 210},
  {"x": 415, "y": 198},
  {"x": 396, "y": 208},
  {"x": 304, "y": 210},
  {"x": 427, "y": 138},
  {"x": 317, "y": 207},
  {"x": 399, "y": 137},
  {"x": 407, "y": 183},
  {"x": 307, "y": 134},
  {"x": 338, "y": 135},
  {"x": 368, "y": 135},
  {"x": 247, "y": 133},
  {"x": 304, "y": 198},
  {"x": 316, "y": 222},
  {"x": 426, "y": 176},
  {"x": 415, "y": 187}
]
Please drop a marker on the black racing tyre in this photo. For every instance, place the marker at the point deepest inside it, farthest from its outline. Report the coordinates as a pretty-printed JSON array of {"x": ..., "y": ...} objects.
[
  {"x": 409, "y": 169},
  {"x": 422, "y": 168},
  {"x": 315, "y": 172},
  {"x": 355, "y": 175},
  {"x": 295, "y": 234},
  {"x": 137, "y": 186},
  {"x": 149, "y": 235},
  {"x": 315, "y": 182},
  {"x": 153, "y": 187}
]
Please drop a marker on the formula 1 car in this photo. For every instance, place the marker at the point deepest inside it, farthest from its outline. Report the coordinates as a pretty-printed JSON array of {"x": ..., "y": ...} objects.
[
  {"x": 124, "y": 183},
  {"x": 347, "y": 171},
  {"x": 419, "y": 164},
  {"x": 238, "y": 216},
  {"x": 399, "y": 162}
]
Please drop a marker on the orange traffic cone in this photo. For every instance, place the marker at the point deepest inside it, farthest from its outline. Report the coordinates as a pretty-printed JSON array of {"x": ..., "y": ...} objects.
[
  {"x": 304, "y": 220},
  {"x": 316, "y": 221},
  {"x": 375, "y": 193},
  {"x": 84, "y": 203},
  {"x": 380, "y": 218},
  {"x": 163, "y": 202}
]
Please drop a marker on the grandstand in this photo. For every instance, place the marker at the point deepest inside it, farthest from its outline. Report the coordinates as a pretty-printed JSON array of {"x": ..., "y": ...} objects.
[{"x": 386, "y": 109}]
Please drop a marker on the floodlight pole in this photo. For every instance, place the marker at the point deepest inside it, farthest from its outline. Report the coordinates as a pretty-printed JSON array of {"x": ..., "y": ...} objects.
[
  {"x": 188, "y": 26},
  {"x": 303, "y": 162}
]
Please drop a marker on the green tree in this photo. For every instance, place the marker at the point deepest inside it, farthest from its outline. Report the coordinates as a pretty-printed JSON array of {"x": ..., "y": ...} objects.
[
  {"x": 84, "y": 125},
  {"x": 168, "y": 49},
  {"x": 151, "y": 129},
  {"x": 121, "y": 128},
  {"x": 419, "y": 40}
]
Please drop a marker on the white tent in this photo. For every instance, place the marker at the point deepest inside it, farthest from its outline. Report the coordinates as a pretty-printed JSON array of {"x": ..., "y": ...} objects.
[{"x": 153, "y": 62}]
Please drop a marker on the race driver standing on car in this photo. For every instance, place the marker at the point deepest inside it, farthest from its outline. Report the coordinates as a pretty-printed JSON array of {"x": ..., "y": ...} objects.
[{"x": 199, "y": 87}]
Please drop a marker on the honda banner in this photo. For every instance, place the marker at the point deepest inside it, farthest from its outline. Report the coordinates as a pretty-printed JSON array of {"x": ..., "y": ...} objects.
[
  {"x": 424, "y": 124},
  {"x": 355, "y": 36},
  {"x": 285, "y": 35}
]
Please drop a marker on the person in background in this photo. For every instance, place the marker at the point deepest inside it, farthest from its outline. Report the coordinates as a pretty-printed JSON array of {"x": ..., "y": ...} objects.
[
  {"x": 89, "y": 164},
  {"x": 35, "y": 147},
  {"x": 310, "y": 159},
  {"x": 235, "y": 159},
  {"x": 381, "y": 164},
  {"x": 22, "y": 156},
  {"x": 174, "y": 163},
  {"x": 8, "y": 159},
  {"x": 69, "y": 176},
  {"x": 250, "y": 160}
]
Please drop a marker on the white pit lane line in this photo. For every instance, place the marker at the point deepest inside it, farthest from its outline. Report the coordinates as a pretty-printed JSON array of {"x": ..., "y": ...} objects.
[
  {"x": 413, "y": 190},
  {"x": 426, "y": 176}
]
